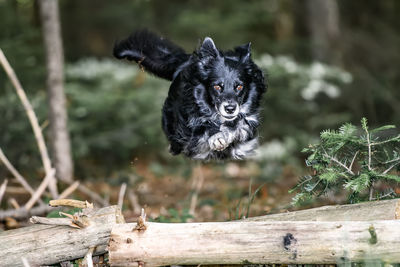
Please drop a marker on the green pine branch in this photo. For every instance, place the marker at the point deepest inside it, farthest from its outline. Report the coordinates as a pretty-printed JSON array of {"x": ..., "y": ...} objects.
[{"x": 353, "y": 159}]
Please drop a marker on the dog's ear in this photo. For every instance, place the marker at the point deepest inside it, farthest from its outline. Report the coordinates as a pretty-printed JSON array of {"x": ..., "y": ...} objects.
[
  {"x": 208, "y": 48},
  {"x": 244, "y": 51}
]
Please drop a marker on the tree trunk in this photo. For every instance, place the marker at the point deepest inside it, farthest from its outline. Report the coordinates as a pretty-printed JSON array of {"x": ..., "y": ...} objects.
[
  {"x": 323, "y": 21},
  {"x": 60, "y": 141}
]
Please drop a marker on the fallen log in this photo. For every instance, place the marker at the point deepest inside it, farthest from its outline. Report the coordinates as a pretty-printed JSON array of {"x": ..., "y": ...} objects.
[
  {"x": 366, "y": 211},
  {"x": 245, "y": 242},
  {"x": 51, "y": 244}
]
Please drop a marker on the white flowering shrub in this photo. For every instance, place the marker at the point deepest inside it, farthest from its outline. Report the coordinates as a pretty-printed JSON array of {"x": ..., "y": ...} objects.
[
  {"x": 312, "y": 79},
  {"x": 301, "y": 99}
]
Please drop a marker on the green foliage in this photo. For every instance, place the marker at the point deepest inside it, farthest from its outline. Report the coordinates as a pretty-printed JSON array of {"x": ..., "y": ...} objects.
[
  {"x": 239, "y": 211},
  {"x": 115, "y": 111},
  {"x": 353, "y": 159}
]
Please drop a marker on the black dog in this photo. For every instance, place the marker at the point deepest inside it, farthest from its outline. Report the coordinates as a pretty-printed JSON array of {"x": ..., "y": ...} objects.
[{"x": 212, "y": 107}]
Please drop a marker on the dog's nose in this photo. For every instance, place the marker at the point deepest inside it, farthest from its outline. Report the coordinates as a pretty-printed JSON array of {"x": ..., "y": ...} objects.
[{"x": 230, "y": 108}]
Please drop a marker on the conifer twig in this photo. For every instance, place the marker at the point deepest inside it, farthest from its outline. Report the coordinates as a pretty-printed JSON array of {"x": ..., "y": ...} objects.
[
  {"x": 339, "y": 163},
  {"x": 385, "y": 141},
  {"x": 371, "y": 191},
  {"x": 369, "y": 149},
  {"x": 391, "y": 167},
  {"x": 352, "y": 161},
  {"x": 393, "y": 160}
]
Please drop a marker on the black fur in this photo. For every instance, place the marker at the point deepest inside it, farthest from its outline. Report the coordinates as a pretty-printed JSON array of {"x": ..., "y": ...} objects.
[{"x": 212, "y": 108}]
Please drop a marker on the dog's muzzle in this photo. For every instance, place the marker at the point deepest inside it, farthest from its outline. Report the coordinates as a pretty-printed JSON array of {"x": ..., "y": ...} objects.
[{"x": 229, "y": 111}]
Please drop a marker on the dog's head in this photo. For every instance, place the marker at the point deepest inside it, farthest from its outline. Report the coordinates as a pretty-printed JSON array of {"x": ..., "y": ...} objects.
[{"x": 227, "y": 77}]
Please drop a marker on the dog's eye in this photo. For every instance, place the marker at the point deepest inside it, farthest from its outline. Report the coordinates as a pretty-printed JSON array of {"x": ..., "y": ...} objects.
[
  {"x": 239, "y": 87},
  {"x": 217, "y": 87}
]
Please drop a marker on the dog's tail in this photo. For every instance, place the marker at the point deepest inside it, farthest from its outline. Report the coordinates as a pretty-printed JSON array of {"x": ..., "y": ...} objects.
[{"x": 156, "y": 54}]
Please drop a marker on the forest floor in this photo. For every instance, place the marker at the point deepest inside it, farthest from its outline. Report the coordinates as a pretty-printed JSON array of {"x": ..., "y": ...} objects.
[{"x": 197, "y": 192}]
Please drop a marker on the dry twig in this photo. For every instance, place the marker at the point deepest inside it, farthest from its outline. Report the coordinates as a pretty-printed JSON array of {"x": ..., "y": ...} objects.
[
  {"x": 121, "y": 195},
  {"x": 22, "y": 213},
  {"x": 14, "y": 172},
  {"x": 34, "y": 122},
  {"x": 14, "y": 203},
  {"x": 71, "y": 203},
  {"x": 93, "y": 195},
  {"x": 69, "y": 190},
  {"x": 3, "y": 189},
  {"x": 133, "y": 199},
  {"x": 25, "y": 262},
  {"x": 78, "y": 220},
  {"x": 88, "y": 260},
  {"x": 197, "y": 184},
  {"x": 141, "y": 222},
  {"x": 40, "y": 190}
]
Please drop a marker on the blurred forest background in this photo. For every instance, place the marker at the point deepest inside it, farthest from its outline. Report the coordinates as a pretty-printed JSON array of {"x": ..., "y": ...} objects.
[{"x": 327, "y": 61}]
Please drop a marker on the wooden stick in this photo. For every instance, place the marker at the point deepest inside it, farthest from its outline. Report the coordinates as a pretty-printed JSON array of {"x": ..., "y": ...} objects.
[
  {"x": 299, "y": 242},
  {"x": 88, "y": 257},
  {"x": 32, "y": 119},
  {"x": 94, "y": 196},
  {"x": 121, "y": 195},
  {"x": 40, "y": 190},
  {"x": 25, "y": 262},
  {"x": 50, "y": 221},
  {"x": 69, "y": 190},
  {"x": 14, "y": 203},
  {"x": 133, "y": 199},
  {"x": 367, "y": 211},
  {"x": 196, "y": 186},
  {"x": 51, "y": 244},
  {"x": 15, "y": 173},
  {"x": 22, "y": 213},
  {"x": 3, "y": 189},
  {"x": 71, "y": 203}
]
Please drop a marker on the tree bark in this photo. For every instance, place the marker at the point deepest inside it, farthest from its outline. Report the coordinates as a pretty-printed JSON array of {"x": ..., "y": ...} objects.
[
  {"x": 367, "y": 211},
  {"x": 60, "y": 141},
  {"x": 323, "y": 21},
  {"x": 51, "y": 244},
  {"x": 278, "y": 242}
]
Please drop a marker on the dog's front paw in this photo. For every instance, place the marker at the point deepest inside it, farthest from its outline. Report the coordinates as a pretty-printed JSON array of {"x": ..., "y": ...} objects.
[{"x": 218, "y": 142}]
